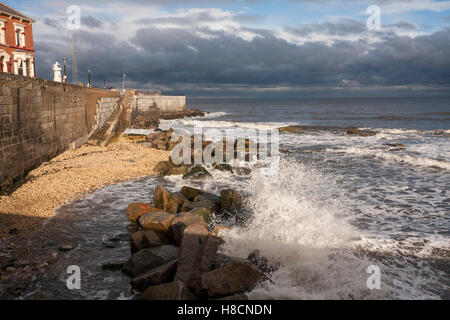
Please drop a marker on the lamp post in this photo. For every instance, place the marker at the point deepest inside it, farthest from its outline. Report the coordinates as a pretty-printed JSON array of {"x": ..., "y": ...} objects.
[
  {"x": 89, "y": 77},
  {"x": 123, "y": 83},
  {"x": 65, "y": 73}
]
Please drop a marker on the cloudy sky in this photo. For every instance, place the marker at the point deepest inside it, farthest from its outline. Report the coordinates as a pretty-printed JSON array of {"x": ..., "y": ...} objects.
[{"x": 250, "y": 47}]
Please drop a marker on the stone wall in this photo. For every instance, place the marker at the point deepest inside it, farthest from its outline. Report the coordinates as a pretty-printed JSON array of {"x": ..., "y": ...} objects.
[
  {"x": 160, "y": 103},
  {"x": 39, "y": 119}
]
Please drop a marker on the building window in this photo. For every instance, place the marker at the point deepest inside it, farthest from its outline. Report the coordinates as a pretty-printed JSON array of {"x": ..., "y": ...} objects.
[
  {"x": 2, "y": 59},
  {"x": 28, "y": 65},
  {"x": 20, "y": 68},
  {"x": 2, "y": 32},
  {"x": 20, "y": 36}
]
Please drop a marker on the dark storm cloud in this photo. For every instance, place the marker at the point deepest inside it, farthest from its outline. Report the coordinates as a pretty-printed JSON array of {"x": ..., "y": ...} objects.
[
  {"x": 341, "y": 27},
  {"x": 91, "y": 22},
  {"x": 180, "y": 56}
]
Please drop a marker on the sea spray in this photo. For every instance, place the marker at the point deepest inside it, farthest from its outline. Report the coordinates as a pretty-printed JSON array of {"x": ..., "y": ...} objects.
[{"x": 299, "y": 224}]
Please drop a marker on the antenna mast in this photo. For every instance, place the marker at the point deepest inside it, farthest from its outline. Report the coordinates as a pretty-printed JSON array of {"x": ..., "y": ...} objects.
[{"x": 75, "y": 65}]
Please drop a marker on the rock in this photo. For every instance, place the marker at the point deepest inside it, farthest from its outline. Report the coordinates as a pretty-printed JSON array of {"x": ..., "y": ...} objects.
[
  {"x": 223, "y": 260},
  {"x": 65, "y": 248},
  {"x": 233, "y": 279},
  {"x": 211, "y": 198},
  {"x": 113, "y": 265},
  {"x": 220, "y": 231},
  {"x": 135, "y": 210},
  {"x": 241, "y": 171},
  {"x": 261, "y": 262},
  {"x": 162, "y": 274},
  {"x": 133, "y": 227},
  {"x": 110, "y": 244},
  {"x": 189, "y": 206},
  {"x": 224, "y": 167},
  {"x": 205, "y": 213},
  {"x": 197, "y": 172},
  {"x": 292, "y": 129},
  {"x": 162, "y": 199},
  {"x": 10, "y": 270},
  {"x": 191, "y": 193},
  {"x": 231, "y": 200},
  {"x": 168, "y": 291},
  {"x": 183, "y": 220},
  {"x": 163, "y": 167},
  {"x": 197, "y": 253},
  {"x": 157, "y": 221},
  {"x": 177, "y": 170},
  {"x": 121, "y": 237},
  {"x": 148, "y": 259},
  {"x": 179, "y": 199},
  {"x": 146, "y": 239},
  {"x": 361, "y": 133}
]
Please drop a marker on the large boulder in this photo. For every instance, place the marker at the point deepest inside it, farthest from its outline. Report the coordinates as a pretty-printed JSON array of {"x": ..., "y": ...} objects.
[
  {"x": 148, "y": 259},
  {"x": 235, "y": 278},
  {"x": 190, "y": 193},
  {"x": 182, "y": 221},
  {"x": 188, "y": 206},
  {"x": 209, "y": 197},
  {"x": 157, "y": 221},
  {"x": 224, "y": 167},
  {"x": 205, "y": 213},
  {"x": 168, "y": 291},
  {"x": 221, "y": 231},
  {"x": 158, "y": 275},
  {"x": 135, "y": 210},
  {"x": 197, "y": 254},
  {"x": 147, "y": 238},
  {"x": 197, "y": 172},
  {"x": 231, "y": 200},
  {"x": 223, "y": 260},
  {"x": 178, "y": 170},
  {"x": 162, "y": 199},
  {"x": 180, "y": 199}
]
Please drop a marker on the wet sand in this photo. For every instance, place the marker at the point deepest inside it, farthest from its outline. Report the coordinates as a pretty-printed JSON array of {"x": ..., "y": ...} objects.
[{"x": 70, "y": 176}]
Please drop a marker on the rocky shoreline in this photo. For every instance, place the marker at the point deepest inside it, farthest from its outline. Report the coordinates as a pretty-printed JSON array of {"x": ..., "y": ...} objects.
[{"x": 175, "y": 248}]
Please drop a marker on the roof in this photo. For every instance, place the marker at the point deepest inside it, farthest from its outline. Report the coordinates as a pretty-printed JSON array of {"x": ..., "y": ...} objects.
[{"x": 4, "y": 8}]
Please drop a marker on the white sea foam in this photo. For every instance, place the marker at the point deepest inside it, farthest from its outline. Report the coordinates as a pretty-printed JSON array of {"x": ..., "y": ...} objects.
[{"x": 400, "y": 158}]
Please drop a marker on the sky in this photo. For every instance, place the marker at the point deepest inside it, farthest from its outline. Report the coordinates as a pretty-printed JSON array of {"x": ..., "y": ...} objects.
[{"x": 286, "y": 48}]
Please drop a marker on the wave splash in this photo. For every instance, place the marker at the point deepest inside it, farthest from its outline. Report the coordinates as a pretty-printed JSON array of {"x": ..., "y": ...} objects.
[{"x": 300, "y": 224}]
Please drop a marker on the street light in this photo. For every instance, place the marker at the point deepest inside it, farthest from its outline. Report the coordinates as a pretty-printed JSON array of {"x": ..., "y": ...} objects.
[
  {"x": 65, "y": 73},
  {"x": 89, "y": 77},
  {"x": 123, "y": 83}
]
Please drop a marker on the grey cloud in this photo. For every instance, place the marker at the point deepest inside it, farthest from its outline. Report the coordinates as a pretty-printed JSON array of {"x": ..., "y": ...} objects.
[
  {"x": 341, "y": 27},
  {"x": 91, "y": 22},
  {"x": 165, "y": 58}
]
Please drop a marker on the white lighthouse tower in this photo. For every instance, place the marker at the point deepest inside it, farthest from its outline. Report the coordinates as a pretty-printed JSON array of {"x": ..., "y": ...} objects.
[{"x": 57, "y": 72}]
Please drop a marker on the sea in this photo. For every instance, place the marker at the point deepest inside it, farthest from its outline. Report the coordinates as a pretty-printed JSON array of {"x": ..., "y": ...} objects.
[{"x": 344, "y": 217}]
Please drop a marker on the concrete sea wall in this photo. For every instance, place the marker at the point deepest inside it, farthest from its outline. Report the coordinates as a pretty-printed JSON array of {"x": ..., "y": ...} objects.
[{"x": 40, "y": 118}]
